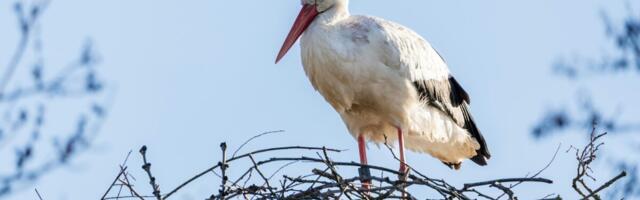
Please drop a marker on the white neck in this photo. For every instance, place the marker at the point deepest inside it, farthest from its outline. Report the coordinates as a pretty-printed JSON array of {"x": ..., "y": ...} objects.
[{"x": 339, "y": 11}]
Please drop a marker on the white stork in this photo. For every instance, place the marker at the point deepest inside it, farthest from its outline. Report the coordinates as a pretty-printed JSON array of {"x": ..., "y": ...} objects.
[{"x": 386, "y": 82}]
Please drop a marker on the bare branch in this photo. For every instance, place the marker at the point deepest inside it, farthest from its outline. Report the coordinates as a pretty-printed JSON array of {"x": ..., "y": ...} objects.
[
  {"x": 38, "y": 193},
  {"x": 252, "y": 138},
  {"x": 331, "y": 183},
  {"x": 607, "y": 184},
  {"x": 585, "y": 157},
  {"x": 147, "y": 168}
]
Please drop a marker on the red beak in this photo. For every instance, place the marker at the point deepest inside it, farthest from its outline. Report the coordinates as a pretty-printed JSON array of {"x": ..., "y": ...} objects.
[{"x": 304, "y": 19}]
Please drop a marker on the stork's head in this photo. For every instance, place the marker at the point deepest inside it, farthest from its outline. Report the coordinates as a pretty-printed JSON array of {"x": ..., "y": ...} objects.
[{"x": 310, "y": 10}]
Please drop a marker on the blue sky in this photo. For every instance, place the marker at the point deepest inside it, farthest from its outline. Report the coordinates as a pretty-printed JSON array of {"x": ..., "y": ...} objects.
[{"x": 191, "y": 74}]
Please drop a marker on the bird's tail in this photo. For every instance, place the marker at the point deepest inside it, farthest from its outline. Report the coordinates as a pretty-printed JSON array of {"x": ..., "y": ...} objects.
[
  {"x": 479, "y": 159},
  {"x": 482, "y": 154}
]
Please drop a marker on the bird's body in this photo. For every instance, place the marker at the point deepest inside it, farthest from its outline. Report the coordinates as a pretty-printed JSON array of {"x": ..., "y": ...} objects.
[{"x": 382, "y": 77}]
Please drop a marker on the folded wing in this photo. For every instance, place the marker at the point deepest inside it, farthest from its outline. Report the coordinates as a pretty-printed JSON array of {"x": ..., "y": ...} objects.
[{"x": 415, "y": 59}]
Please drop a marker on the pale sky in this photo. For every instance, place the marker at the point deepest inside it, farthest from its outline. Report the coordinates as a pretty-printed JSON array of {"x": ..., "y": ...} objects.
[{"x": 191, "y": 74}]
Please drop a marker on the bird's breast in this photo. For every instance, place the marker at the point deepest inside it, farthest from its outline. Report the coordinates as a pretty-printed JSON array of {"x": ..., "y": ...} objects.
[
  {"x": 329, "y": 72},
  {"x": 349, "y": 76}
]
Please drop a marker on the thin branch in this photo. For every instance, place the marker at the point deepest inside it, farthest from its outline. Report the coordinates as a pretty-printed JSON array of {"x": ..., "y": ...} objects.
[
  {"x": 331, "y": 183},
  {"x": 125, "y": 182},
  {"x": 197, "y": 176},
  {"x": 223, "y": 167},
  {"x": 607, "y": 184},
  {"x": 553, "y": 158},
  {"x": 506, "y": 180},
  {"x": 122, "y": 171},
  {"x": 38, "y": 193},
  {"x": 252, "y": 138},
  {"x": 147, "y": 168},
  {"x": 266, "y": 181}
]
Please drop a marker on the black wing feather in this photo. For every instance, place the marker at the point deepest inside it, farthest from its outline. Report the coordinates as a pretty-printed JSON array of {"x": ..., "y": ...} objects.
[{"x": 449, "y": 96}]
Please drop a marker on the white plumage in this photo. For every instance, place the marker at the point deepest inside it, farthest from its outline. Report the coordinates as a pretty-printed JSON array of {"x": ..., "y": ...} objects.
[{"x": 381, "y": 76}]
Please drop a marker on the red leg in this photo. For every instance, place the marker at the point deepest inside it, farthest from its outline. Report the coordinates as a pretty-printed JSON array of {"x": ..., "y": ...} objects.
[
  {"x": 363, "y": 159},
  {"x": 403, "y": 167},
  {"x": 363, "y": 150}
]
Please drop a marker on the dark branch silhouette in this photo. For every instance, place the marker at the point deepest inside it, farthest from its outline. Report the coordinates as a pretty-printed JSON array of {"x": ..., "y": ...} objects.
[
  {"x": 585, "y": 158},
  {"x": 326, "y": 179},
  {"x": 329, "y": 179}
]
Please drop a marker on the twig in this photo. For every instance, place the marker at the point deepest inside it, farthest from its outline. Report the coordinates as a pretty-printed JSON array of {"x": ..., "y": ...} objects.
[
  {"x": 504, "y": 189},
  {"x": 585, "y": 157},
  {"x": 506, "y": 180},
  {"x": 38, "y": 193},
  {"x": 330, "y": 183},
  {"x": 240, "y": 157},
  {"x": 223, "y": 167},
  {"x": 134, "y": 193},
  {"x": 607, "y": 184},
  {"x": 553, "y": 158},
  {"x": 147, "y": 168},
  {"x": 252, "y": 138},
  {"x": 122, "y": 170},
  {"x": 266, "y": 181}
]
